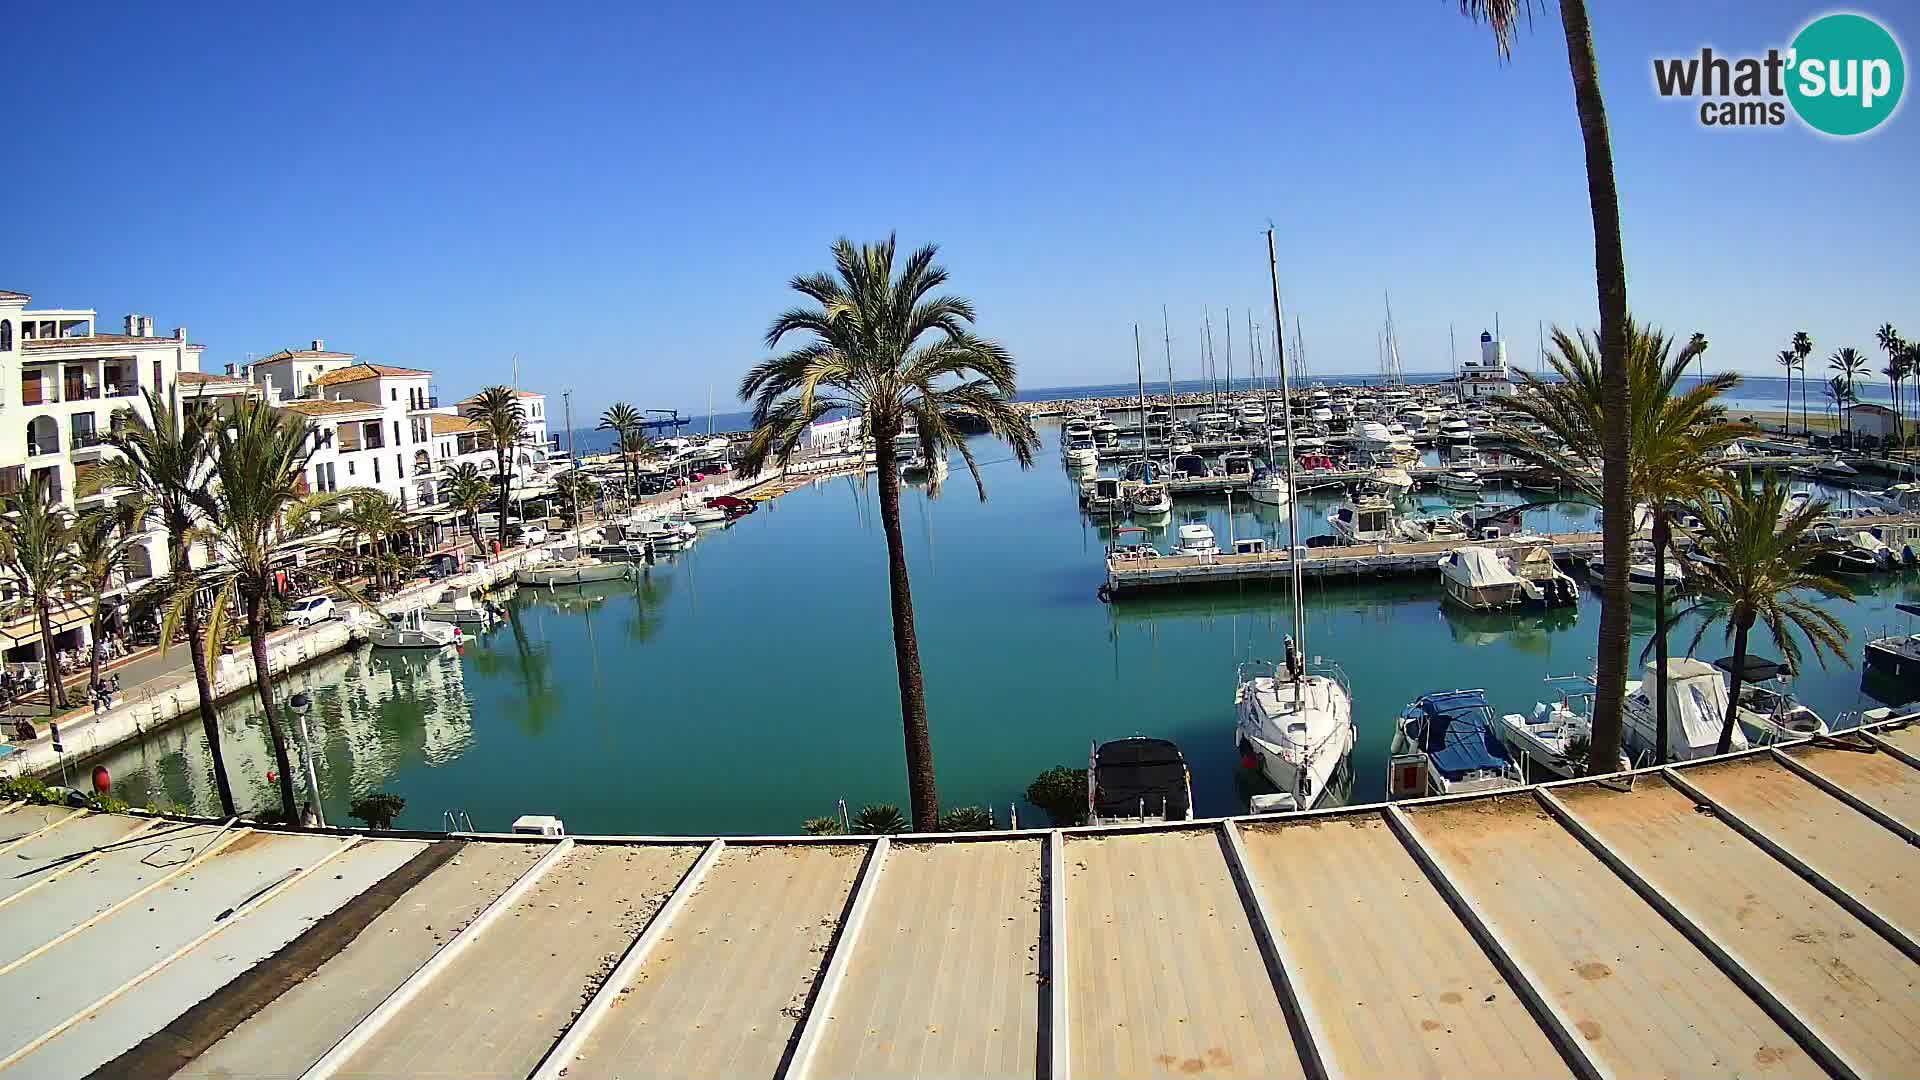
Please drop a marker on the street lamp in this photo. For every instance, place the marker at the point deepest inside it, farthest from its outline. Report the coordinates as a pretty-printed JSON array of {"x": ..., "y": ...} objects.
[{"x": 302, "y": 704}]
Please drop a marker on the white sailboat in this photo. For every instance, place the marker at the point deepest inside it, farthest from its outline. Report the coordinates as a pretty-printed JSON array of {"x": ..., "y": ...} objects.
[{"x": 1294, "y": 720}]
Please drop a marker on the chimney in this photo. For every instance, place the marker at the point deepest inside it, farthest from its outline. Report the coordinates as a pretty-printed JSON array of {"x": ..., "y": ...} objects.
[
  {"x": 319, "y": 344},
  {"x": 266, "y": 386},
  {"x": 133, "y": 326},
  {"x": 229, "y": 371},
  {"x": 179, "y": 333},
  {"x": 146, "y": 326}
]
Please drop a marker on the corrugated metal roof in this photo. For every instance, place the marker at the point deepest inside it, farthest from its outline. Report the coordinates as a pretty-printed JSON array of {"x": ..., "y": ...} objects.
[{"x": 1739, "y": 916}]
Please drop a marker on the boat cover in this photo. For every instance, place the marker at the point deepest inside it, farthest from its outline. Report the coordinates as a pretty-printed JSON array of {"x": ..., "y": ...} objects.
[
  {"x": 1478, "y": 568},
  {"x": 1128, "y": 771},
  {"x": 1697, "y": 698},
  {"x": 1456, "y": 736}
]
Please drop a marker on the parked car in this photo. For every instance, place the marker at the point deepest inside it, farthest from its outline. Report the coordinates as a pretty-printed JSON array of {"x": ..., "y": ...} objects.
[
  {"x": 311, "y": 609},
  {"x": 533, "y": 534}
]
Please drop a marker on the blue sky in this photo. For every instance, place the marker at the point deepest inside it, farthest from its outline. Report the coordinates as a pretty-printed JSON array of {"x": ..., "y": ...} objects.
[{"x": 620, "y": 199}]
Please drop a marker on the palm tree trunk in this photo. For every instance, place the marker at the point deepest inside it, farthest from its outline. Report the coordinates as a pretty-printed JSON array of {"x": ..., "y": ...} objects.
[
  {"x": 1662, "y": 534},
  {"x": 922, "y": 792},
  {"x": 93, "y": 657},
  {"x": 56, "y": 688},
  {"x": 1733, "y": 689},
  {"x": 263, "y": 683},
  {"x": 1610, "y": 282},
  {"x": 1806, "y": 424},
  {"x": 506, "y": 492},
  {"x": 209, "y": 717}
]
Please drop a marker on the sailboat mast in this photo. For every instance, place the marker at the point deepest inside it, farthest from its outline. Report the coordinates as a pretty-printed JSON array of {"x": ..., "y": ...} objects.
[
  {"x": 1213, "y": 381},
  {"x": 1228, "y": 323},
  {"x": 1286, "y": 392},
  {"x": 1140, "y": 376},
  {"x": 1166, "y": 337}
]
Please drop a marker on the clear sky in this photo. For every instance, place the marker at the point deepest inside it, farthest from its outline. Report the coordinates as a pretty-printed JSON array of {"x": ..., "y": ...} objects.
[{"x": 621, "y": 199}]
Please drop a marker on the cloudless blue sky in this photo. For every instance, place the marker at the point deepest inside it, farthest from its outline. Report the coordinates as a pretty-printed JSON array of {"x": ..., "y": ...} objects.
[{"x": 620, "y": 199}]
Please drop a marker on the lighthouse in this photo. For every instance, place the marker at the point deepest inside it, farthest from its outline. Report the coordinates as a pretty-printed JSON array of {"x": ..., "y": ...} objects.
[{"x": 1488, "y": 377}]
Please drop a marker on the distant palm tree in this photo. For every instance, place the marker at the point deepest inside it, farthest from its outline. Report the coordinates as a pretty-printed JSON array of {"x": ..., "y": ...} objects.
[
  {"x": 164, "y": 464},
  {"x": 498, "y": 409},
  {"x": 372, "y": 516},
  {"x": 576, "y": 487},
  {"x": 906, "y": 359},
  {"x": 1849, "y": 363},
  {"x": 1789, "y": 359},
  {"x": 1610, "y": 284},
  {"x": 1676, "y": 440},
  {"x": 634, "y": 445},
  {"x": 1897, "y": 369},
  {"x": 1754, "y": 570},
  {"x": 622, "y": 419},
  {"x": 1803, "y": 348},
  {"x": 257, "y": 510},
  {"x": 103, "y": 541},
  {"x": 36, "y": 551},
  {"x": 468, "y": 492}
]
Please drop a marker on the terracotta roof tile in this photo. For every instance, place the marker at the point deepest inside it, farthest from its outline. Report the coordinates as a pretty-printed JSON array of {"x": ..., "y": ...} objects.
[
  {"x": 5, "y": 295},
  {"x": 319, "y": 407},
  {"x": 367, "y": 371},
  {"x": 304, "y": 354},
  {"x": 453, "y": 425},
  {"x": 96, "y": 339}
]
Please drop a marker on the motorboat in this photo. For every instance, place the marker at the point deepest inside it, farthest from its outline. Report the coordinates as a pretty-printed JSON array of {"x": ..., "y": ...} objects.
[
  {"x": 1189, "y": 465},
  {"x": 1696, "y": 709},
  {"x": 1253, "y": 418},
  {"x": 1106, "y": 431},
  {"x": 920, "y": 468},
  {"x": 1237, "y": 464},
  {"x": 1542, "y": 580},
  {"x": 411, "y": 629},
  {"x": 1462, "y": 480},
  {"x": 1446, "y": 744},
  {"x": 1196, "y": 538},
  {"x": 1898, "y": 499},
  {"x": 1080, "y": 453},
  {"x": 1370, "y": 520},
  {"x": 1294, "y": 725},
  {"x": 1844, "y": 557},
  {"x": 1640, "y": 574},
  {"x": 1768, "y": 713},
  {"x": 1455, "y": 432},
  {"x": 1395, "y": 480},
  {"x": 1214, "y": 422},
  {"x": 1150, "y": 499},
  {"x": 1431, "y": 528},
  {"x": 1138, "y": 780},
  {"x": 1552, "y": 741},
  {"x": 1477, "y": 579},
  {"x": 705, "y": 514},
  {"x": 1895, "y": 658},
  {"x": 1106, "y": 498},
  {"x": 1078, "y": 427},
  {"x": 459, "y": 607},
  {"x": 574, "y": 571},
  {"x": 1269, "y": 487},
  {"x": 1836, "y": 469}
]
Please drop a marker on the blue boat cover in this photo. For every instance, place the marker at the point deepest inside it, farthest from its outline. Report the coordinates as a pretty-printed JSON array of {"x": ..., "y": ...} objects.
[{"x": 1455, "y": 733}]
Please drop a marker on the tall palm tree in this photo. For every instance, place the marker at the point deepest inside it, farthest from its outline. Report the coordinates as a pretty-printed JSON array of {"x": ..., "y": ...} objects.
[
  {"x": 1610, "y": 285},
  {"x": 498, "y": 409},
  {"x": 468, "y": 492},
  {"x": 372, "y": 515},
  {"x": 164, "y": 463},
  {"x": 256, "y": 509},
  {"x": 622, "y": 419},
  {"x": 1676, "y": 439},
  {"x": 1788, "y": 359},
  {"x": 103, "y": 541},
  {"x": 893, "y": 350},
  {"x": 1896, "y": 370},
  {"x": 1849, "y": 363},
  {"x": 634, "y": 445},
  {"x": 36, "y": 551},
  {"x": 576, "y": 487},
  {"x": 1803, "y": 348},
  {"x": 1755, "y": 572}
]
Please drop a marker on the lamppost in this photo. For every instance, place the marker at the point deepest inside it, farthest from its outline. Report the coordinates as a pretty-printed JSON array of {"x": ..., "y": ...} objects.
[{"x": 302, "y": 703}]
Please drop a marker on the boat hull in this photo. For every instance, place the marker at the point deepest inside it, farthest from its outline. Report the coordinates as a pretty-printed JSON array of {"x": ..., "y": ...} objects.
[{"x": 573, "y": 575}]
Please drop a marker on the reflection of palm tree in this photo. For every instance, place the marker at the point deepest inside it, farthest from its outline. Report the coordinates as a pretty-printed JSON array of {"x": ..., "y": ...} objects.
[
  {"x": 536, "y": 669},
  {"x": 649, "y": 603}
]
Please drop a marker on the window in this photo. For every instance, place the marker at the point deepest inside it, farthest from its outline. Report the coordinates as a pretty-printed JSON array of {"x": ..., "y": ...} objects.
[
  {"x": 393, "y": 395},
  {"x": 376, "y": 470},
  {"x": 156, "y": 375},
  {"x": 396, "y": 433},
  {"x": 6, "y": 336},
  {"x": 349, "y": 468}
]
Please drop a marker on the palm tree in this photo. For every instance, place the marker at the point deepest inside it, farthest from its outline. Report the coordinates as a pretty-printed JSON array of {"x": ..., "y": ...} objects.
[
  {"x": 1755, "y": 571},
  {"x": 622, "y": 419},
  {"x": 1788, "y": 359},
  {"x": 1896, "y": 370},
  {"x": 256, "y": 509},
  {"x": 576, "y": 487},
  {"x": 1849, "y": 363},
  {"x": 164, "y": 464},
  {"x": 1610, "y": 285},
  {"x": 1838, "y": 394},
  {"x": 498, "y": 409},
  {"x": 103, "y": 540},
  {"x": 635, "y": 445},
  {"x": 372, "y": 515},
  {"x": 1803, "y": 348},
  {"x": 36, "y": 550},
  {"x": 900, "y": 355},
  {"x": 1676, "y": 439},
  {"x": 468, "y": 492}
]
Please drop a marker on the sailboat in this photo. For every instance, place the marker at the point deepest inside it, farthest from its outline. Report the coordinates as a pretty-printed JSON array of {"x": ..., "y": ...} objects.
[
  {"x": 1294, "y": 720},
  {"x": 1148, "y": 497},
  {"x": 1272, "y": 487}
]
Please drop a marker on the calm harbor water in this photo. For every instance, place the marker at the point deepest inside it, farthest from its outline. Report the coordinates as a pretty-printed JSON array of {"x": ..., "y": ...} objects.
[{"x": 748, "y": 683}]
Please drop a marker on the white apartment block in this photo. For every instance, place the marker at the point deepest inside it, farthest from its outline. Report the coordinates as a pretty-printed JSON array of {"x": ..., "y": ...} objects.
[{"x": 62, "y": 386}]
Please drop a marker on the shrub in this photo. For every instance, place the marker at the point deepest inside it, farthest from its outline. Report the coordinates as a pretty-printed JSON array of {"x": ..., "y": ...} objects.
[
  {"x": 26, "y": 789},
  {"x": 879, "y": 819},
  {"x": 822, "y": 826},
  {"x": 966, "y": 819},
  {"x": 1062, "y": 793},
  {"x": 378, "y": 809}
]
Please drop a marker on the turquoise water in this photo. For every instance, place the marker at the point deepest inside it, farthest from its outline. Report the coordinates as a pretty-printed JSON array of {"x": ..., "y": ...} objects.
[{"x": 748, "y": 683}]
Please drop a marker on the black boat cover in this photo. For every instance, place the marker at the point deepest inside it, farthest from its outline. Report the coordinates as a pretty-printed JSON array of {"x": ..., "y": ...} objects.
[{"x": 1129, "y": 771}]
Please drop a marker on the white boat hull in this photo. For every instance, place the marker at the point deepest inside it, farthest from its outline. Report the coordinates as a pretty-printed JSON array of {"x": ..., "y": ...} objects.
[
  {"x": 569, "y": 575},
  {"x": 433, "y": 637}
]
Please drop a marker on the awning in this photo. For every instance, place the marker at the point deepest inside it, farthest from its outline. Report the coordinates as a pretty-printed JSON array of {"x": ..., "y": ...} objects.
[{"x": 26, "y": 631}]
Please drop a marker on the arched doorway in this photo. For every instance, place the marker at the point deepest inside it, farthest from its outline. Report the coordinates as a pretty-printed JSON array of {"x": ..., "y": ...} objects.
[{"x": 43, "y": 436}]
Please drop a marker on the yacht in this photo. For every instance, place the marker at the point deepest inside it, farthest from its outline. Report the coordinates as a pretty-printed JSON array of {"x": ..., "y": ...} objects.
[
  {"x": 1106, "y": 498},
  {"x": 1214, "y": 423},
  {"x": 1138, "y": 781},
  {"x": 1196, "y": 538},
  {"x": 1370, "y": 520},
  {"x": 1476, "y": 579},
  {"x": 1768, "y": 712},
  {"x": 411, "y": 629},
  {"x": 1080, "y": 453},
  {"x": 1106, "y": 431},
  {"x": 1378, "y": 438},
  {"x": 1554, "y": 740},
  {"x": 1295, "y": 724},
  {"x": 1150, "y": 499},
  {"x": 1395, "y": 480},
  {"x": 1445, "y": 744},
  {"x": 459, "y": 607},
  {"x": 1894, "y": 659},
  {"x": 1079, "y": 427},
  {"x": 1157, "y": 420},
  {"x": 1237, "y": 464},
  {"x": 1253, "y": 418},
  {"x": 1454, "y": 432},
  {"x": 1696, "y": 708},
  {"x": 1640, "y": 575},
  {"x": 1463, "y": 481},
  {"x": 1189, "y": 464}
]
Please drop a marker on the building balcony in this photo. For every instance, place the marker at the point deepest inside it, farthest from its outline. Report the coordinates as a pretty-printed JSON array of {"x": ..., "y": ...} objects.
[
  {"x": 43, "y": 447},
  {"x": 123, "y": 390},
  {"x": 83, "y": 393},
  {"x": 87, "y": 440}
]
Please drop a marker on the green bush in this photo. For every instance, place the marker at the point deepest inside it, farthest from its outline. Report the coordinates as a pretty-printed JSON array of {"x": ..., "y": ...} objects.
[
  {"x": 966, "y": 819},
  {"x": 1062, "y": 793},
  {"x": 378, "y": 809},
  {"x": 879, "y": 819},
  {"x": 26, "y": 789},
  {"x": 822, "y": 826}
]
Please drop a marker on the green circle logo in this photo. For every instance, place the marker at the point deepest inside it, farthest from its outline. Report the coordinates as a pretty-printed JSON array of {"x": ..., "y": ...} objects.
[{"x": 1846, "y": 74}]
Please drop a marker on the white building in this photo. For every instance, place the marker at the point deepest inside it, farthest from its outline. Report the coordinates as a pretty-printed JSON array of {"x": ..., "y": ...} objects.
[
  {"x": 536, "y": 460},
  {"x": 1488, "y": 377},
  {"x": 372, "y": 423},
  {"x": 72, "y": 382}
]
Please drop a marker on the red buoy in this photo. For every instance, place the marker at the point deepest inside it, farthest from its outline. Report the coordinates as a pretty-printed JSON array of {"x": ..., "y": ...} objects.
[{"x": 102, "y": 780}]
